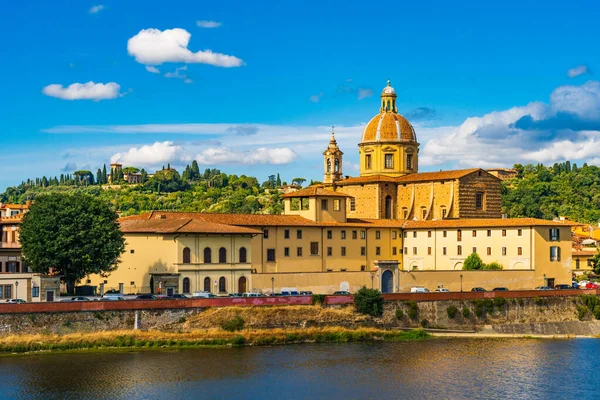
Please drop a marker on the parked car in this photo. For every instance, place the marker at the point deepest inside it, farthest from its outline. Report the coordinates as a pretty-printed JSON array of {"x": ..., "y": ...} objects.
[
  {"x": 306, "y": 293},
  {"x": 177, "y": 296},
  {"x": 146, "y": 296},
  {"x": 591, "y": 285},
  {"x": 442, "y": 290},
  {"x": 250, "y": 294},
  {"x": 341, "y": 293},
  {"x": 203, "y": 295},
  {"x": 112, "y": 297},
  {"x": 563, "y": 286},
  {"x": 16, "y": 301},
  {"x": 79, "y": 298},
  {"x": 236, "y": 295},
  {"x": 500, "y": 289},
  {"x": 418, "y": 289},
  {"x": 478, "y": 289},
  {"x": 543, "y": 288}
]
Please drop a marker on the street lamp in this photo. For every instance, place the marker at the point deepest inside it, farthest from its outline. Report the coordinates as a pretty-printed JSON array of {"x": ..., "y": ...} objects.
[
  {"x": 17, "y": 289},
  {"x": 461, "y": 282},
  {"x": 272, "y": 284}
]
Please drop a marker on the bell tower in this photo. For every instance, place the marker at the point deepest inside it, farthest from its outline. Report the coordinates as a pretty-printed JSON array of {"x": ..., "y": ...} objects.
[{"x": 332, "y": 158}]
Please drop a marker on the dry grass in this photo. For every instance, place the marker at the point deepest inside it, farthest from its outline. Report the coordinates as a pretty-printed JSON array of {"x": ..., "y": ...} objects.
[
  {"x": 195, "y": 338},
  {"x": 276, "y": 316}
]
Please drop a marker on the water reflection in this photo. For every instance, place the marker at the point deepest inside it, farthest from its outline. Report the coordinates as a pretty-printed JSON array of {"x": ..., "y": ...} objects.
[{"x": 443, "y": 368}]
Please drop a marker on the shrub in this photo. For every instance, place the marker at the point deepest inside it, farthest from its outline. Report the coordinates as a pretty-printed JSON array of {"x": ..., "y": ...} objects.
[
  {"x": 399, "y": 313},
  {"x": 493, "y": 266},
  {"x": 182, "y": 320},
  {"x": 489, "y": 305},
  {"x": 424, "y": 323},
  {"x": 238, "y": 340},
  {"x": 317, "y": 299},
  {"x": 596, "y": 312},
  {"x": 499, "y": 302},
  {"x": 369, "y": 301},
  {"x": 451, "y": 310},
  {"x": 582, "y": 312},
  {"x": 466, "y": 312},
  {"x": 235, "y": 324},
  {"x": 589, "y": 300},
  {"x": 413, "y": 309},
  {"x": 521, "y": 302},
  {"x": 473, "y": 262}
]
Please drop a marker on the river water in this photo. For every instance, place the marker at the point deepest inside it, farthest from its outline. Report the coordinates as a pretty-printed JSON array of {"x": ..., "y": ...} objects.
[{"x": 432, "y": 369}]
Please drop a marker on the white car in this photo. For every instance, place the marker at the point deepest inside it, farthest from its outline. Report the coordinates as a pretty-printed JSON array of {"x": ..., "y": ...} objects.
[
  {"x": 16, "y": 301},
  {"x": 419, "y": 290},
  {"x": 112, "y": 297},
  {"x": 442, "y": 289}
]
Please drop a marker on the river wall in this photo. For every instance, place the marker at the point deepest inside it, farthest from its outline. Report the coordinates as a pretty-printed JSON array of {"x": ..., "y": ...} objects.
[{"x": 536, "y": 315}]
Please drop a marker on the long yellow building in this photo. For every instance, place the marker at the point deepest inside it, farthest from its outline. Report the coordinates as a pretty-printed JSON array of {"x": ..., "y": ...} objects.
[{"x": 392, "y": 227}]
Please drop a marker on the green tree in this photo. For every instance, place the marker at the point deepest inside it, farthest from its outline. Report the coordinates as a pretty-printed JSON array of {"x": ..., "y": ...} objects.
[
  {"x": 131, "y": 170},
  {"x": 278, "y": 180},
  {"x": 493, "y": 266},
  {"x": 74, "y": 234},
  {"x": 473, "y": 262},
  {"x": 298, "y": 181},
  {"x": 595, "y": 260},
  {"x": 104, "y": 175},
  {"x": 369, "y": 301}
]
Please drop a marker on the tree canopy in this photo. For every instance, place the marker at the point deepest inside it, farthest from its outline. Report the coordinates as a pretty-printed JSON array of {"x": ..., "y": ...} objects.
[{"x": 73, "y": 234}]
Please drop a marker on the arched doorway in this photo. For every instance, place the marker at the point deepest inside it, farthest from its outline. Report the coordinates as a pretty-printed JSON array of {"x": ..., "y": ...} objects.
[
  {"x": 186, "y": 285},
  {"x": 387, "y": 282},
  {"x": 242, "y": 285},
  {"x": 388, "y": 207},
  {"x": 207, "y": 284}
]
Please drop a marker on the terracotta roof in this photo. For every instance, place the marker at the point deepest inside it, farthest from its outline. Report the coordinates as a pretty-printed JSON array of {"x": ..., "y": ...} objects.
[
  {"x": 180, "y": 225},
  {"x": 483, "y": 223},
  {"x": 366, "y": 179},
  {"x": 314, "y": 191},
  {"x": 14, "y": 206},
  {"x": 437, "y": 176}
]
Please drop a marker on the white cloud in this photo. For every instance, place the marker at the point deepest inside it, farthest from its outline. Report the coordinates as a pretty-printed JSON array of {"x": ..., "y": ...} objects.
[
  {"x": 155, "y": 47},
  {"x": 150, "y": 155},
  {"x": 261, "y": 155},
  {"x": 96, "y": 9},
  {"x": 363, "y": 93},
  {"x": 579, "y": 70},
  {"x": 315, "y": 98},
  {"x": 208, "y": 24},
  {"x": 83, "y": 91},
  {"x": 188, "y": 81},
  {"x": 152, "y": 69}
]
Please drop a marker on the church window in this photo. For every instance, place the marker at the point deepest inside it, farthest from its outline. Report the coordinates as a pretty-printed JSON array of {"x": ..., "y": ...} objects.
[
  {"x": 368, "y": 161},
  {"x": 479, "y": 200},
  {"x": 409, "y": 161},
  {"x": 324, "y": 205},
  {"x": 337, "y": 165},
  {"x": 424, "y": 213},
  {"x": 405, "y": 213},
  {"x": 444, "y": 211},
  {"x": 336, "y": 205},
  {"x": 389, "y": 161},
  {"x": 328, "y": 165},
  {"x": 352, "y": 204}
]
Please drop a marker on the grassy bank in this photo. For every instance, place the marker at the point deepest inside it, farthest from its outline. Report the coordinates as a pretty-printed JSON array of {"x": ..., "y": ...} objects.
[{"x": 204, "y": 338}]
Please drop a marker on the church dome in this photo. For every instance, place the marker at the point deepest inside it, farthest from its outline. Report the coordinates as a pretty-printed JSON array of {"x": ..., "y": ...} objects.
[{"x": 388, "y": 125}]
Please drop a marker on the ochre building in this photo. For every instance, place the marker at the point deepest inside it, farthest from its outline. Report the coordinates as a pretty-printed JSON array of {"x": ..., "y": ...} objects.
[{"x": 391, "y": 228}]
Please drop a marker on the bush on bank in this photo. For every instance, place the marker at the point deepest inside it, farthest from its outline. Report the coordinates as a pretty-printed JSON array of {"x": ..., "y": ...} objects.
[{"x": 369, "y": 301}]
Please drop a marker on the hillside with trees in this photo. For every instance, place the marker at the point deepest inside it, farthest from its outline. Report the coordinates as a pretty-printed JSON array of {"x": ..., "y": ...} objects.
[
  {"x": 193, "y": 190},
  {"x": 563, "y": 189}
]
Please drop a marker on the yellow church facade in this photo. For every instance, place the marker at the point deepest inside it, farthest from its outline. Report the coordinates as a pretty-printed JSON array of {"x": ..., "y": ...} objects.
[{"x": 392, "y": 227}]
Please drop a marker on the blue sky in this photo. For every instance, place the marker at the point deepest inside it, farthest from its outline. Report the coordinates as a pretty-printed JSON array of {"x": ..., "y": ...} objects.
[{"x": 484, "y": 84}]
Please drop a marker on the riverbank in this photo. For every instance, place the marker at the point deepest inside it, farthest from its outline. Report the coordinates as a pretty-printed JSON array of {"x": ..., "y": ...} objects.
[{"x": 18, "y": 344}]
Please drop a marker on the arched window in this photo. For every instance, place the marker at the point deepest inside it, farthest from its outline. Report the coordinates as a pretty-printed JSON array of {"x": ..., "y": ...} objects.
[
  {"x": 242, "y": 285},
  {"x": 207, "y": 255},
  {"x": 337, "y": 165},
  {"x": 222, "y": 285},
  {"x": 187, "y": 258},
  {"x": 328, "y": 165},
  {"x": 207, "y": 284},
  {"x": 222, "y": 255},
  {"x": 186, "y": 285},
  {"x": 243, "y": 255},
  {"x": 459, "y": 250}
]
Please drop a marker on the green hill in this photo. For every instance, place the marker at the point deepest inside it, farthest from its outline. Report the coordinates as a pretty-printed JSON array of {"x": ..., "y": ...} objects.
[{"x": 538, "y": 191}]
